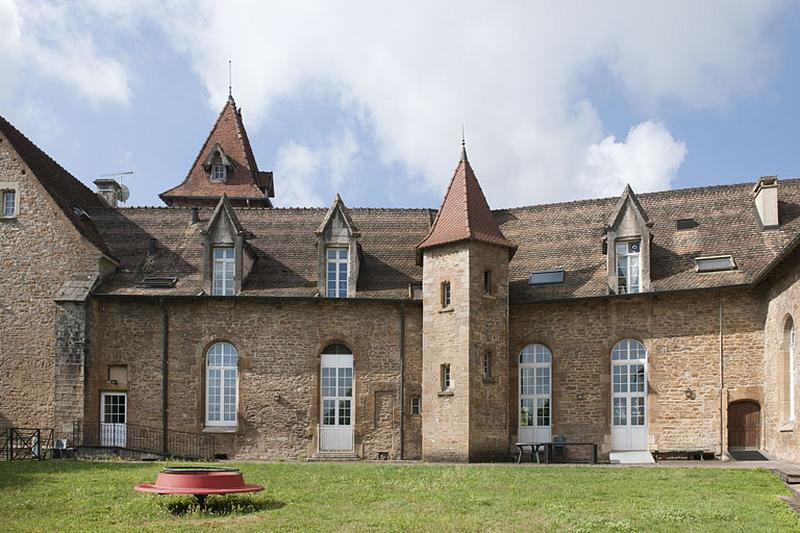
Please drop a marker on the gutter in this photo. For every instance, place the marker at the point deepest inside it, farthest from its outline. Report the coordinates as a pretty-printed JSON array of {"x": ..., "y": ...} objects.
[
  {"x": 402, "y": 378},
  {"x": 164, "y": 377},
  {"x": 250, "y": 297}
]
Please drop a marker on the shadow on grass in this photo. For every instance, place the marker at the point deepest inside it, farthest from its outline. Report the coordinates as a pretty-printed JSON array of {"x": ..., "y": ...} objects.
[{"x": 220, "y": 506}]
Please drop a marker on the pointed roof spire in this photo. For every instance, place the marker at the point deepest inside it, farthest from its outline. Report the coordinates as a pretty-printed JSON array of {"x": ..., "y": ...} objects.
[
  {"x": 465, "y": 214},
  {"x": 244, "y": 184},
  {"x": 463, "y": 146}
]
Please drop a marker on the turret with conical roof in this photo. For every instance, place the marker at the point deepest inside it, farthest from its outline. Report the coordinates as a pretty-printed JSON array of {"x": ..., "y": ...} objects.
[
  {"x": 465, "y": 326},
  {"x": 225, "y": 165}
]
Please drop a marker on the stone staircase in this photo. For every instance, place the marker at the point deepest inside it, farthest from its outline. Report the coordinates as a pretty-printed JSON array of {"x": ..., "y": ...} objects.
[{"x": 333, "y": 457}]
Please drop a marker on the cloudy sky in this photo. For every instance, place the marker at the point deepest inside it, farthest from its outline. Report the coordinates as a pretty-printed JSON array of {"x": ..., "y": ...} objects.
[{"x": 368, "y": 99}]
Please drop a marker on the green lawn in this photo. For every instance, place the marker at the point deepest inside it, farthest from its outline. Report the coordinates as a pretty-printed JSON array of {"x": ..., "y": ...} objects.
[{"x": 83, "y": 495}]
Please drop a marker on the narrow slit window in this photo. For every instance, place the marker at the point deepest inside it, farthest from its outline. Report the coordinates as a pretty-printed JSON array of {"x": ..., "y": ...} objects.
[
  {"x": 416, "y": 406},
  {"x": 487, "y": 282},
  {"x": 487, "y": 364},
  {"x": 9, "y": 203},
  {"x": 446, "y": 294},
  {"x": 446, "y": 382}
]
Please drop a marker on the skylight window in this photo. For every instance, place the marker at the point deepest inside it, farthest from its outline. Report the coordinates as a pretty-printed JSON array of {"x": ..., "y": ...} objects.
[
  {"x": 714, "y": 263},
  {"x": 685, "y": 223},
  {"x": 546, "y": 277}
]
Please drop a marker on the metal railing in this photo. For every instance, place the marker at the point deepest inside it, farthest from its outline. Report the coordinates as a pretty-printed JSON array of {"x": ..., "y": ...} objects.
[
  {"x": 142, "y": 439},
  {"x": 25, "y": 443}
]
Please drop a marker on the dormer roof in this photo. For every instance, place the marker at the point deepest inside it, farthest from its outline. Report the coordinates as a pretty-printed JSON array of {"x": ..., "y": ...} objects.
[
  {"x": 338, "y": 207},
  {"x": 465, "y": 214},
  {"x": 618, "y": 212},
  {"x": 245, "y": 184},
  {"x": 225, "y": 208}
]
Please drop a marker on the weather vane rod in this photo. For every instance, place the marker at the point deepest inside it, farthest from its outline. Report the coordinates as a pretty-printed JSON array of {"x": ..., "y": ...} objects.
[{"x": 230, "y": 83}]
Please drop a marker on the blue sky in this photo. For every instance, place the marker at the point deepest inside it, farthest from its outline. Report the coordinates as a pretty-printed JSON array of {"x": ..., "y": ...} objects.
[{"x": 368, "y": 99}]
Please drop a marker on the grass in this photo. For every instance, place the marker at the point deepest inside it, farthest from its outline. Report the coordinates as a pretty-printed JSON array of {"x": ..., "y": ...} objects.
[{"x": 86, "y": 496}]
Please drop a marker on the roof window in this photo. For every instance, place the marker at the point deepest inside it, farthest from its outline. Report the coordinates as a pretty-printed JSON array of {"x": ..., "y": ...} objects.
[
  {"x": 685, "y": 223},
  {"x": 546, "y": 277},
  {"x": 714, "y": 263}
]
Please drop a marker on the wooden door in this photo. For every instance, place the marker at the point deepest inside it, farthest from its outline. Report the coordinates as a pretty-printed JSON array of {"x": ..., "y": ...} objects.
[{"x": 744, "y": 424}]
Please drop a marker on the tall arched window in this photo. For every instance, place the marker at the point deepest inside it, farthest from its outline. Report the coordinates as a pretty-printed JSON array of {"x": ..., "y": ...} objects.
[
  {"x": 790, "y": 370},
  {"x": 221, "y": 384},
  {"x": 535, "y": 362},
  {"x": 628, "y": 396},
  {"x": 336, "y": 399}
]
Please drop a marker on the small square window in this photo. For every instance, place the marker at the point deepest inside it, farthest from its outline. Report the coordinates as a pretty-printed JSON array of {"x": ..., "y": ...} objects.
[
  {"x": 219, "y": 173},
  {"x": 446, "y": 294},
  {"x": 487, "y": 282},
  {"x": 416, "y": 406},
  {"x": 9, "y": 205},
  {"x": 446, "y": 382},
  {"x": 487, "y": 364}
]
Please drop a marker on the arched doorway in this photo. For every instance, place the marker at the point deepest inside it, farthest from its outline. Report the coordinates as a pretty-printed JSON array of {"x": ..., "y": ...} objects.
[
  {"x": 744, "y": 425},
  {"x": 628, "y": 396},
  {"x": 535, "y": 362},
  {"x": 336, "y": 399}
]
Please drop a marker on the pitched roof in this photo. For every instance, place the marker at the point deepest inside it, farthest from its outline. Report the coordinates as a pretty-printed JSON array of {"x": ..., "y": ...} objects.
[
  {"x": 568, "y": 235},
  {"x": 338, "y": 205},
  {"x": 71, "y": 196},
  {"x": 464, "y": 214},
  {"x": 282, "y": 240},
  {"x": 244, "y": 180},
  {"x": 627, "y": 196}
]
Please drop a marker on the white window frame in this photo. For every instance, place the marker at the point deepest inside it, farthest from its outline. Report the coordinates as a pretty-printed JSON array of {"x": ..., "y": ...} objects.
[
  {"x": 445, "y": 377},
  {"x": 446, "y": 294},
  {"x": 4, "y": 192},
  {"x": 219, "y": 173},
  {"x": 223, "y": 271},
  {"x": 228, "y": 369},
  {"x": 337, "y": 285},
  {"x": 416, "y": 406},
  {"x": 541, "y": 365},
  {"x": 792, "y": 374},
  {"x": 626, "y": 258},
  {"x": 624, "y": 355}
]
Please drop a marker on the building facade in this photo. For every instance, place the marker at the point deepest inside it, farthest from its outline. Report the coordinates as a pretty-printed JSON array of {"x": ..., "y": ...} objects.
[{"x": 661, "y": 322}]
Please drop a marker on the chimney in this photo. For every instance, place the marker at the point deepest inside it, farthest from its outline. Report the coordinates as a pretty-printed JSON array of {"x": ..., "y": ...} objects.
[
  {"x": 766, "y": 199},
  {"x": 109, "y": 191}
]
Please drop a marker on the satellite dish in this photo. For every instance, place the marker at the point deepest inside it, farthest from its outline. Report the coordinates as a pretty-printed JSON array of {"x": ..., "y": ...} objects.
[{"x": 124, "y": 193}]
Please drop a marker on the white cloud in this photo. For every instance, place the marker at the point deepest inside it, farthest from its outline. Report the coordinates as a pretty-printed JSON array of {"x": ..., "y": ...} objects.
[
  {"x": 647, "y": 159},
  {"x": 53, "y": 40},
  {"x": 511, "y": 73},
  {"x": 297, "y": 166}
]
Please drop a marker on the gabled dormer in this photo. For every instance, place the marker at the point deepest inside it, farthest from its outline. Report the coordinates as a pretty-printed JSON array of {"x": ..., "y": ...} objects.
[
  {"x": 337, "y": 246},
  {"x": 628, "y": 246},
  {"x": 225, "y": 165},
  {"x": 228, "y": 258}
]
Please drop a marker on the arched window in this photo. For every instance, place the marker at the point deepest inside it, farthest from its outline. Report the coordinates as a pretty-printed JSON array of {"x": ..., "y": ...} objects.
[
  {"x": 535, "y": 362},
  {"x": 628, "y": 396},
  {"x": 221, "y": 384},
  {"x": 790, "y": 371}
]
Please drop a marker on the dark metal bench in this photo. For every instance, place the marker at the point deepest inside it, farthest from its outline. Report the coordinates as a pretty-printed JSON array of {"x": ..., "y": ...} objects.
[
  {"x": 688, "y": 453},
  {"x": 535, "y": 447}
]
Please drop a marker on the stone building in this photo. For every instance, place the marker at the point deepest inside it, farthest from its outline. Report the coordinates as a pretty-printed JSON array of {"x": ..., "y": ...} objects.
[{"x": 658, "y": 322}]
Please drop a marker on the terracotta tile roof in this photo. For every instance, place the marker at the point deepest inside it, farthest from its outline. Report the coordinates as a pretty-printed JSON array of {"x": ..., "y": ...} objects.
[
  {"x": 464, "y": 214},
  {"x": 283, "y": 241},
  {"x": 72, "y": 196},
  {"x": 245, "y": 181},
  {"x": 567, "y": 235}
]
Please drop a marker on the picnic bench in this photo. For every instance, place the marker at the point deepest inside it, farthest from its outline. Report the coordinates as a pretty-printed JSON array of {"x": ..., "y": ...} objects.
[{"x": 547, "y": 447}]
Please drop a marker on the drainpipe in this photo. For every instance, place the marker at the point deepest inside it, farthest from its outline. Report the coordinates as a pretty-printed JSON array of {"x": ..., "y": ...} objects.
[
  {"x": 402, "y": 377},
  {"x": 721, "y": 377},
  {"x": 164, "y": 376}
]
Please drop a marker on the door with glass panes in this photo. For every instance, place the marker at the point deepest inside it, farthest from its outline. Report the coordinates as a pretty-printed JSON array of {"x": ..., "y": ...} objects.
[
  {"x": 336, "y": 399},
  {"x": 113, "y": 419},
  {"x": 535, "y": 363},
  {"x": 629, "y": 396}
]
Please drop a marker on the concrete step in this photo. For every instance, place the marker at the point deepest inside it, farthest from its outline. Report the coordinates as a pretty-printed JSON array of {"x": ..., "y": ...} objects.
[
  {"x": 631, "y": 458},
  {"x": 322, "y": 457},
  {"x": 789, "y": 475}
]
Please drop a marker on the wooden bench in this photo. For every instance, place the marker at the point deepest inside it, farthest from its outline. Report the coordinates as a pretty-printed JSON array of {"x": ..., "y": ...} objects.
[{"x": 689, "y": 453}]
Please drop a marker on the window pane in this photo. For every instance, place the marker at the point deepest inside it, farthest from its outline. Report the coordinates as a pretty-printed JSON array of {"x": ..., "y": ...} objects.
[
  {"x": 344, "y": 412},
  {"x": 637, "y": 378},
  {"x": 542, "y": 412},
  {"x": 345, "y": 382},
  {"x": 527, "y": 382},
  {"x": 637, "y": 411},
  {"x": 526, "y": 412},
  {"x": 620, "y": 411},
  {"x": 329, "y": 382},
  {"x": 329, "y": 412}
]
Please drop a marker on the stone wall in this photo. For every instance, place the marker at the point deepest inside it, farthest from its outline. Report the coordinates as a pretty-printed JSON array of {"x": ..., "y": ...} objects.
[
  {"x": 278, "y": 343},
  {"x": 781, "y": 437},
  {"x": 40, "y": 250},
  {"x": 682, "y": 334}
]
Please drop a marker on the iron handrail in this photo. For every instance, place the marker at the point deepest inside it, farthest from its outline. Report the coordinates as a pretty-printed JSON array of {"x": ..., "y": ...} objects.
[{"x": 143, "y": 439}]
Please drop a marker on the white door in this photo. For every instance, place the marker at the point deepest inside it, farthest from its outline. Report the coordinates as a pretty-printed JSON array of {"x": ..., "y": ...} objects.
[
  {"x": 535, "y": 363},
  {"x": 113, "y": 419},
  {"x": 336, "y": 399},
  {"x": 629, "y": 396}
]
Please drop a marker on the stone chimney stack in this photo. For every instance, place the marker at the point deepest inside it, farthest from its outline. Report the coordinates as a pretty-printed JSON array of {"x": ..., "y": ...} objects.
[
  {"x": 765, "y": 195},
  {"x": 109, "y": 191}
]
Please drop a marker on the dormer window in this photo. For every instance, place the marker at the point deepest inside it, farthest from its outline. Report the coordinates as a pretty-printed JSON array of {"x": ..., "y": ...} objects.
[
  {"x": 224, "y": 266},
  {"x": 337, "y": 272},
  {"x": 629, "y": 267},
  {"x": 219, "y": 173}
]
